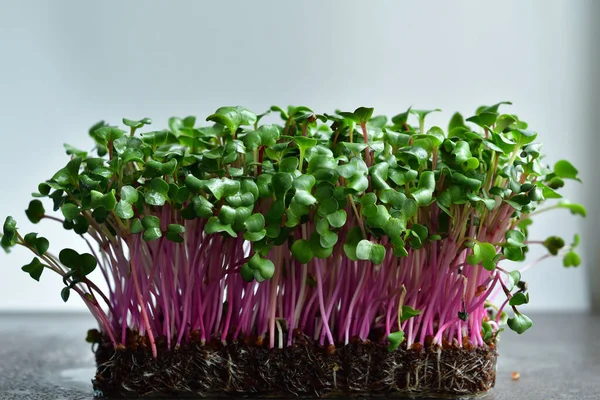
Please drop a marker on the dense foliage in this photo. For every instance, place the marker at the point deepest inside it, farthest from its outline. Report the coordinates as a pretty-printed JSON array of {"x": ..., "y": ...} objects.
[{"x": 339, "y": 225}]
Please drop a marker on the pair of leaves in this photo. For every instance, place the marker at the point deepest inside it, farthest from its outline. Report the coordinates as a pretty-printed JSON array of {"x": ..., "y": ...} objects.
[
  {"x": 519, "y": 323},
  {"x": 81, "y": 264},
  {"x": 9, "y": 233},
  {"x": 124, "y": 208},
  {"x": 514, "y": 247},
  {"x": 367, "y": 250},
  {"x": 484, "y": 254},
  {"x": 233, "y": 118},
  {"x": 257, "y": 268}
]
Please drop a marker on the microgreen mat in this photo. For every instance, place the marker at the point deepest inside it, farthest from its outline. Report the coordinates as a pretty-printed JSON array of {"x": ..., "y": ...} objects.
[{"x": 338, "y": 225}]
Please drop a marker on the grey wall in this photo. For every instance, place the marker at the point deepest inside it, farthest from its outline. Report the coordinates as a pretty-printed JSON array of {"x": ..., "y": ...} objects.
[
  {"x": 66, "y": 64},
  {"x": 593, "y": 144}
]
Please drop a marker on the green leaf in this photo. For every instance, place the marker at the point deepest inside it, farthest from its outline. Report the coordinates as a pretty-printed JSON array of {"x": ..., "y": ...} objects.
[
  {"x": 467, "y": 182},
  {"x": 213, "y": 225},
  {"x": 153, "y": 169},
  {"x": 395, "y": 339},
  {"x": 255, "y": 223},
  {"x": 302, "y": 251},
  {"x": 10, "y": 226},
  {"x": 174, "y": 232},
  {"x": 150, "y": 221},
  {"x": 519, "y": 323},
  {"x": 100, "y": 214},
  {"x": 328, "y": 206},
  {"x": 108, "y": 200},
  {"x": 337, "y": 219},
  {"x": 34, "y": 268},
  {"x": 304, "y": 198},
  {"x": 368, "y": 199},
  {"x": 87, "y": 263},
  {"x": 379, "y": 175},
  {"x": 247, "y": 273},
  {"x": 136, "y": 226},
  {"x": 328, "y": 240},
  {"x": 484, "y": 119},
  {"x": 400, "y": 119},
  {"x": 394, "y": 227},
  {"x": 363, "y": 114},
  {"x": 39, "y": 244},
  {"x": 124, "y": 210},
  {"x": 423, "y": 194},
  {"x": 352, "y": 239},
  {"x": 491, "y": 109},
  {"x": 518, "y": 299},
  {"x": 548, "y": 193},
  {"x": 265, "y": 267},
  {"x": 81, "y": 225},
  {"x": 514, "y": 238},
  {"x": 358, "y": 183},
  {"x": 268, "y": 134},
  {"x": 64, "y": 293},
  {"x": 576, "y": 241},
  {"x": 319, "y": 162},
  {"x": 456, "y": 121},
  {"x": 408, "y": 312},
  {"x": 304, "y": 143},
  {"x": 232, "y": 117},
  {"x": 396, "y": 139},
  {"x": 35, "y": 212},
  {"x": 152, "y": 230},
  {"x": 194, "y": 184},
  {"x": 483, "y": 253},
  {"x": 106, "y": 134},
  {"x": 366, "y": 250},
  {"x": 222, "y": 187},
  {"x": 421, "y": 114},
  {"x": 70, "y": 211},
  {"x": 44, "y": 189},
  {"x": 378, "y": 121},
  {"x": 132, "y": 155},
  {"x": 74, "y": 151},
  {"x": 514, "y": 277},
  {"x": 564, "y": 169},
  {"x": 554, "y": 244},
  {"x": 151, "y": 234},
  {"x": 282, "y": 183},
  {"x": 490, "y": 204},
  {"x": 380, "y": 218},
  {"x": 129, "y": 194},
  {"x": 514, "y": 253},
  {"x": 571, "y": 259},
  {"x": 137, "y": 124},
  {"x": 288, "y": 165},
  {"x": 575, "y": 208},
  {"x": 83, "y": 264},
  {"x": 487, "y": 331},
  {"x": 486, "y": 251},
  {"x": 255, "y": 236},
  {"x": 158, "y": 193},
  {"x": 556, "y": 183},
  {"x": 69, "y": 174}
]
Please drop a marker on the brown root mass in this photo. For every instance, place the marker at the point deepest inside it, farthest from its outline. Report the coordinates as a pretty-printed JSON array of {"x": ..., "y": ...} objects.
[{"x": 304, "y": 369}]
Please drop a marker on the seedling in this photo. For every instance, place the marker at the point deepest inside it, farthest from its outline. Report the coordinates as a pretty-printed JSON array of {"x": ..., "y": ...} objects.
[{"x": 336, "y": 226}]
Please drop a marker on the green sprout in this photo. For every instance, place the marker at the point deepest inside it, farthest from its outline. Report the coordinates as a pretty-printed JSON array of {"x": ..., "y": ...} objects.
[{"x": 331, "y": 224}]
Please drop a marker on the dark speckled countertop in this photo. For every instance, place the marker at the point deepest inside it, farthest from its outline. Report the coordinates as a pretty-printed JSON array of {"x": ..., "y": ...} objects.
[{"x": 43, "y": 356}]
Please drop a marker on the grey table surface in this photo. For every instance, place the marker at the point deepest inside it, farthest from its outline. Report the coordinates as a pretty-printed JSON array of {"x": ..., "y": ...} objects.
[{"x": 43, "y": 356}]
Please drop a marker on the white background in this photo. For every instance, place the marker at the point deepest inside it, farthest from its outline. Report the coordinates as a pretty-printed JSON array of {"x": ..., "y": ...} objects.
[{"x": 64, "y": 65}]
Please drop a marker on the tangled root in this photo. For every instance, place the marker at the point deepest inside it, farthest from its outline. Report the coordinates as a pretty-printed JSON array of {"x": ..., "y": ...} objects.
[{"x": 301, "y": 370}]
